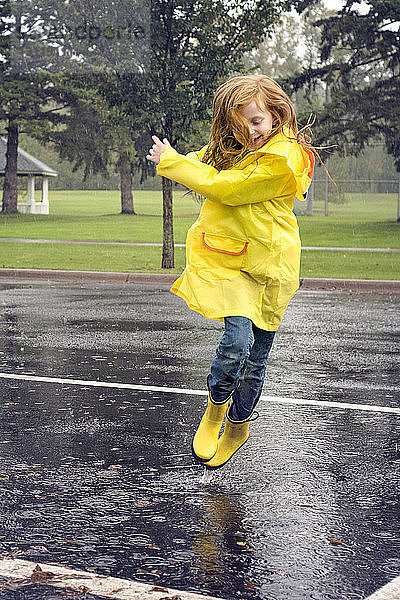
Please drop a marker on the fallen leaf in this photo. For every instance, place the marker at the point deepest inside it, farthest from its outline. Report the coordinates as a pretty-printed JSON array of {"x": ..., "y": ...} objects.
[
  {"x": 39, "y": 575},
  {"x": 70, "y": 592},
  {"x": 251, "y": 586},
  {"x": 335, "y": 542},
  {"x": 69, "y": 576}
]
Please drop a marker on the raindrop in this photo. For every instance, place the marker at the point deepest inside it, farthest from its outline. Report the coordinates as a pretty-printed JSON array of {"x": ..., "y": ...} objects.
[{"x": 207, "y": 476}]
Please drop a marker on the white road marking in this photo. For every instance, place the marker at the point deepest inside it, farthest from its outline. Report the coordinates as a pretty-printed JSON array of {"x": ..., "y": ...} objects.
[
  {"x": 107, "y": 384},
  {"x": 390, "y": 591},
  {"x": 190, "y": 392},
  {"x": 83, "y": 581}
]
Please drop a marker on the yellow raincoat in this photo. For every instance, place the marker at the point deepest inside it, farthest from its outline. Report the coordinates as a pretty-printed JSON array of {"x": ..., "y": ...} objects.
[{"x": 243, "y": 252}]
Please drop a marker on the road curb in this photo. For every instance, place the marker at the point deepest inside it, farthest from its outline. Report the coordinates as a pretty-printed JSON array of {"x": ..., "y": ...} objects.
[
  {"x": 390, "y": 591},
  {"x": 383, "y": 286},
  {"x": 26, "y": 572},
  {"x": 166, "y": 279},
  {"x": 61, "y": 276}
]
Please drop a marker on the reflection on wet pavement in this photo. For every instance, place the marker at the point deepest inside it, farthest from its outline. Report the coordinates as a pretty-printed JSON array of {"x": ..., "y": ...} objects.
[{"x": 104, "y": 479}]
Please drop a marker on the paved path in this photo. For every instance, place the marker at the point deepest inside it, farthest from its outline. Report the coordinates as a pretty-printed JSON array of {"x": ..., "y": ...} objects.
[
  {"x": 93, "y": 242},
  {"x": 104, "y": 243}
]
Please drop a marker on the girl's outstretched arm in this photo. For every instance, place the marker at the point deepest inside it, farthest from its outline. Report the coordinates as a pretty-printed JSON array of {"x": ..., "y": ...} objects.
[{"x": 268, "y": 179}]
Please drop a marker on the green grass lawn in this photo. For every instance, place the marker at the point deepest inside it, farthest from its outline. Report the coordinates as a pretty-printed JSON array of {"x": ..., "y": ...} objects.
[
  {"x": 352, "y": 265},
  {"x": 94, "y": 215},
  {"x": 82, "y": 257},
  {"x": 367, "y": 220}
]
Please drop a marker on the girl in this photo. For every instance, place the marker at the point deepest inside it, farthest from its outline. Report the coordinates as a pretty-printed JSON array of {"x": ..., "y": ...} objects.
[{"x": 243, "y": 252}]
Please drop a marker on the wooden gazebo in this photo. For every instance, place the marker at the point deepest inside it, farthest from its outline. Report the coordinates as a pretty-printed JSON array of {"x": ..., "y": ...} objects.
[{"x": 28, "y": 165}]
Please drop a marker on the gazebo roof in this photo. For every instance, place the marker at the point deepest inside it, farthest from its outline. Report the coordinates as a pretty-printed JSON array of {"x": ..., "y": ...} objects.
[{"x": 26, "y": 163}]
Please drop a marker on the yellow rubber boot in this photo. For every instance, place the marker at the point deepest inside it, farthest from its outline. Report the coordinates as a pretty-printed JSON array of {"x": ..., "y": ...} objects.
[
  {"x": 236, "y": 433},
  {"x": 206, "y": 437}
]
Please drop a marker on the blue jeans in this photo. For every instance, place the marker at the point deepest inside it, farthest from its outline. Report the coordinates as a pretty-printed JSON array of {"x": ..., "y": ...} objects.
[{"x": 239, "y": 366}]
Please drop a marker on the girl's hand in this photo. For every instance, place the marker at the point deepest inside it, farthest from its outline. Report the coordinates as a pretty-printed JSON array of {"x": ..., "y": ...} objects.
[{"x": 157, "y": 149}]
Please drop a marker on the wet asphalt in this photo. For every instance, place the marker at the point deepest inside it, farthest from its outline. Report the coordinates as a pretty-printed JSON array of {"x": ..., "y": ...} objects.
[{"x": 103, "y": 479}]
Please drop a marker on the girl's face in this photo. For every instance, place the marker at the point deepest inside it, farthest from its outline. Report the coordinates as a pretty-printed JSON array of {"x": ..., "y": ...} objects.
[{"x": 259, "y": 123}]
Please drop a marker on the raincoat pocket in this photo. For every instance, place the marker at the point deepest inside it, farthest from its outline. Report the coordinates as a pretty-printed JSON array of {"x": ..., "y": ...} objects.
[{"x": 217, "y": 256}]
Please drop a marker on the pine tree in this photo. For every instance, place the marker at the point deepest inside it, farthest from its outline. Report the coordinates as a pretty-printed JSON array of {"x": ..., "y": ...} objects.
[
  {"x": 195, "y": 45},
  {"x": 360, "y": 65},
  {"x": 29, "y": 95}
]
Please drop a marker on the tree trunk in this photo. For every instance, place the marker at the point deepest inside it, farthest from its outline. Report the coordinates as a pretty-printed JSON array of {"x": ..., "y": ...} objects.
[
  {"x": 10, "y": 188},
  {"x": 168, "y": 226},
  {"x": 126, "y": 185}
]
